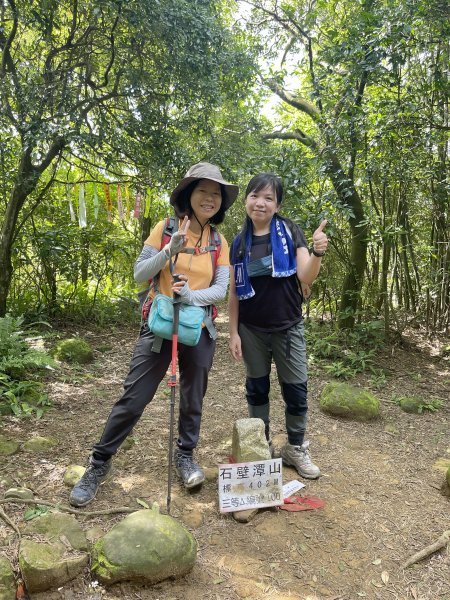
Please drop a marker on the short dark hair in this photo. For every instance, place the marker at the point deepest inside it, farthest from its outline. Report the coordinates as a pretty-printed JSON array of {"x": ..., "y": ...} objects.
[
  {"x": 263, "y": 180},
  {"x": 182, "y": 205},
  {"x": 256, "y": 184}
]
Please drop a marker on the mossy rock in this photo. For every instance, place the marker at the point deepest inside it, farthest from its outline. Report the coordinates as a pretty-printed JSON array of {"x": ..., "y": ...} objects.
[
  {"x": 447, "y": 477},
  {"x": 19, "y": 492},
  {"x": 411, "y": 404},
  {"x": 54, "y": 525},
  {"x": 7, "y": 582},
  {"x": 145, "y": 546},
  {"x": 40, "y": 444},
  {"x": 74, "y": 350},
  {"x": 73, "y": 474},
  {"x": 105, "y": 348},
  {"x": 6, "y": 482},
  {"x": 344, "y": 400},
  {"x": 46, "y": 565},
  {"x": 8, "y": 447}
]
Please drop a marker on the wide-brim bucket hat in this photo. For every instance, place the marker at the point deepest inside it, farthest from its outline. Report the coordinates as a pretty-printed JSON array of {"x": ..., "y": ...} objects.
[{"x": 204, "y": 170}]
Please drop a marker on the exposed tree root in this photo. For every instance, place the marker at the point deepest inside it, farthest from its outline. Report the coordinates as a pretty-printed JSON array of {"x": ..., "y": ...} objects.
[
  {"x": 8, "y": 521},
  {"x": 438, "y": 545},
  {"x": 62, "y": 508}
]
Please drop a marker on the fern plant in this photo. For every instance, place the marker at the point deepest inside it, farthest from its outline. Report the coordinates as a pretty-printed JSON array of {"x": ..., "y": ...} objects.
[
  {"x": 16, "y": 356},
  {"x": 18, "y": 393},
  {"x": 344, "y": 354}
]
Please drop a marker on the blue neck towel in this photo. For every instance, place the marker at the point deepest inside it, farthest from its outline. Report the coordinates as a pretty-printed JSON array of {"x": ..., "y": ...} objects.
[{"x": 284, "y": 261}]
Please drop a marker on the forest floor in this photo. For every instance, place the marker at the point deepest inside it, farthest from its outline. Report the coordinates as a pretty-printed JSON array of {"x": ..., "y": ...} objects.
[{"x": 380, "y": 483}]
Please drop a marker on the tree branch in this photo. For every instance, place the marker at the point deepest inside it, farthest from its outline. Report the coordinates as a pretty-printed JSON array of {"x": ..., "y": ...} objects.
[
  {"x": 6, "y": 43},
  {"x": 8, "y": 521},
  {"x": 89, "y": 103},
  {"x": 313, "y": 75},
  {"x": 113, "y": 49},
  {"x": 275, "y": 17},
  {"x": 38, "y": 199},
  {"x": 287, "y": 49},
  {"x": 56, "y": 147},
  {"x": 7, "y": 65},
  {"x": 294, "y": 101},
  {"x": 91, "y": 164},
  {"x": 297, "y": 135},
  {"x": 286, "y": 23},
  {"x": 68, "y": 43}
]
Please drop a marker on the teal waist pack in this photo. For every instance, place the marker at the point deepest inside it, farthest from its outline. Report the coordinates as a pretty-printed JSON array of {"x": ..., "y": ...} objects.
[{"x": 160, "y": 320}]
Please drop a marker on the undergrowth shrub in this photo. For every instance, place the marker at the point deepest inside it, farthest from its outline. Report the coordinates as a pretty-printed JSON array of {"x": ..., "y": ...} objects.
[
  {"x": 344, "y": 354},
  {"x": 20, "y": 394}
]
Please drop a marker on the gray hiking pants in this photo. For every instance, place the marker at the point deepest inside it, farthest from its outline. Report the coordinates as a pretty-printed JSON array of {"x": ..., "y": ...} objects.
[
  {"x": 288, "y": 350},
  {"x": 147, "y": 369}
]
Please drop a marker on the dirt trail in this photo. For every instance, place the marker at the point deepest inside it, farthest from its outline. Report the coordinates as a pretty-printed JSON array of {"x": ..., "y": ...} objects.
[{"x": 380, "y": 488}]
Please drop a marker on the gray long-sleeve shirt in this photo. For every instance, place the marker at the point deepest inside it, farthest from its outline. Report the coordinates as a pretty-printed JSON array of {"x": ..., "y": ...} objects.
[{"x": 151, "y": 261}]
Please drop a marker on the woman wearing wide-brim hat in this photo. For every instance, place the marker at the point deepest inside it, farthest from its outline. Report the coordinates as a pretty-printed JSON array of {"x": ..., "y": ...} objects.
[{"x": 202, "y": 263}]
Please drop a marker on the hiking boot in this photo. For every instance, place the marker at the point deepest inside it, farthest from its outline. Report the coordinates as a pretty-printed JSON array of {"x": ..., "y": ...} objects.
[
  {"x": 85, "y": 490},
  {"x": 188, "y": 471},
  {"x": 298, "y": 457}
]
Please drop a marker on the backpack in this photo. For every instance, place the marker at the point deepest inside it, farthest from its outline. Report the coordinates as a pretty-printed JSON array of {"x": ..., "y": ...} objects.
[{"x": 214, "y": 247}]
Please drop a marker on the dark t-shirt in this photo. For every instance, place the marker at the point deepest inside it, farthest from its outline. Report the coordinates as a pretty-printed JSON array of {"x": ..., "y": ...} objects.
[{"x": 277, "y": 302}]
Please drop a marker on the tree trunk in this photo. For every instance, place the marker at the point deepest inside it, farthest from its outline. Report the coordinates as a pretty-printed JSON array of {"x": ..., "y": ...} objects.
[
  {"x": 402, "y": 217},
  {"x": 383, "y": 299},
  {"x": 27, "y": 179},
  {"x": 352, "y": 284},
  {"x": 25, "y": 184}
]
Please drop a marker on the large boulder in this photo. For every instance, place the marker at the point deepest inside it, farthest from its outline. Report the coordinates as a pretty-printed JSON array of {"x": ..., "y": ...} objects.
[
  {"x": 249, "y": 441},
  {"x": 7, "y": 585},
  {"x": 344, "y": 400},
  {"x": 145, "y": 546}
]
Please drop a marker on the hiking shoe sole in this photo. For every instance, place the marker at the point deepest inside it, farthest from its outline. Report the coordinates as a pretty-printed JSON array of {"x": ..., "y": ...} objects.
[{"x": 304, "y": 475}]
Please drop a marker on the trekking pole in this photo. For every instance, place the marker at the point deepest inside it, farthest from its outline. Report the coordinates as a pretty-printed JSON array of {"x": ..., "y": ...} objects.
[{"x": 172, "y": 383}]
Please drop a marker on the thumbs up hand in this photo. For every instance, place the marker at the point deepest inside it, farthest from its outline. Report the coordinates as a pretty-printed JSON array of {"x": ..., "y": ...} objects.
[{"x": 320, "y": 240}]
